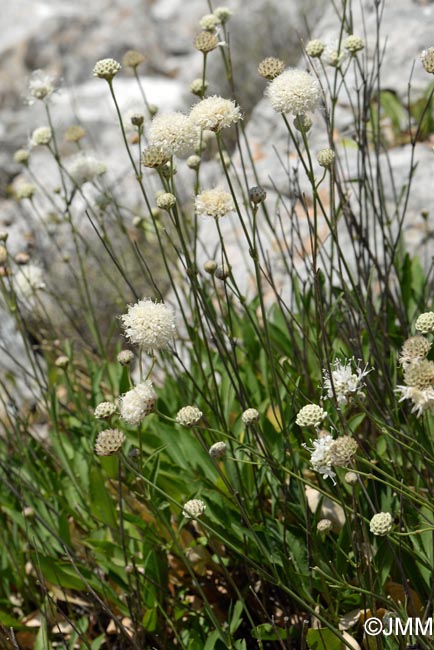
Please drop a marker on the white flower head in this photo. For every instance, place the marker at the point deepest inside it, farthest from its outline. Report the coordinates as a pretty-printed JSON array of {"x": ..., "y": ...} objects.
[
  {"x": 333, "y": 56},
  {"x": 174, "y": 133},
  {"x": 41, "y": 86},
  {"x": 214, "y": 203},
  {"x": 321, "y": 456},
  {"x": 215, "y": 113},
  {"x": 294, "y": 91},
  {"x": 27, "y": 281},
  {"x": 194, "y": 509},
  {"x": 381, "y": 524},
  {"x": 137, "y": 403},
  {"x": 84, "y": 168},
  {"x": 109, "y": 442},
  {"x": 346, "y": 379},
  {"x": 41, "y": 136},
  {"x": 422, "y": 398},
  {"x": 149, "y": 324},
  {"x": 310, "y": 415}
]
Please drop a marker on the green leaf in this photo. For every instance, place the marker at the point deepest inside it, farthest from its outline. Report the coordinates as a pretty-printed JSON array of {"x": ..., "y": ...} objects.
[
  {"x": 323, "y": 639},
  {"x": 236, "y": 617},
  {"x": 97, "y": 643},
  {"x": 266, "y": 632},
  {"x": 9, "y": 621},
  {"x": 101, "y": 503}
]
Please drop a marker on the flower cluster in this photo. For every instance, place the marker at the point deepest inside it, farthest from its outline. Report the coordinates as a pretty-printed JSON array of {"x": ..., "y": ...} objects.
[
  {"x": 310, "y": 415},
  {"x": 214, "y": 203},
  {"x": 105, "y": 410},
  {"x": 321, "y": 456},
  {"x": 427, "y": 58},
  {"x": 109, "y": 442},
  {"x": 41, "y": 86},
  {"x": 149, "y": 324},
  {"x": 106, "y": 69},
  {"x": 41, "y": 136},
  {"x": 294, "y": 91},
  {"x": 137, "y": 403},
  {"x": 215, "y": 113},
  {"x": 327, "y": 452},
  {"x": 418, "y": 370},
  {"x": 193, "y": 509},
  {"x": 381, "y": 524},
  {"x": 271, "y": 67},
  {"x": 345, "y": 380},
  {"x": 188, "y": 416},
  {"x": 174, "y": 133},
  {"x": 85, "y": 169}
]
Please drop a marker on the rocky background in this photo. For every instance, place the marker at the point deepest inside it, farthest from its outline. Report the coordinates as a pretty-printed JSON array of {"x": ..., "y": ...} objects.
[{"x": 65, "y": 39}]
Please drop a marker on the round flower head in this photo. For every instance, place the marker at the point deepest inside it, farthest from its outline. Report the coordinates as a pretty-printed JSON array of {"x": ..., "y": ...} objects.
[
  {"x": 302, "y": 123},
  {"x": 194, "y": 509},
  {"x": 188, "y": 416},
  {"x": 149, "y": 324},
  {"x": 223, "y": 14},
  {"x": 353, "y": 44},
  {"x": 222, "y": 272},
  {"x": 137, "y": 403},
  {"x": 62, "y": 362},
  {"x": 420, "y": 374},
  {"x": 294, "y": 91},
  {"x": 193, "y": 162},
  {"x": 257, "y": 195},
  {"x": 315, "y": 48},
  {"x": 250, "y": 416},
  {"x": 41, "y": 86},
  {"x": 21, "y": 156},
  {"x": 105, "y": 410},
  {"x": 381, "y": 524},
  {"x": 214, "y": 203},
  {"x": 427, "y": 58},
  {"x": 217, "y": 450},
  {"x": 206, "y": 42},
  {"x": 24, "y": 191},
  {"x": 310, "y": 415},
  {"x": 154, "y": 156},
  {"x": 41, "y": 136},
  {"x": 27, "y": 281},
  {"x": 346, "y": 381},
  {"x": 351, "y": 478},
  {"x": 125, "y": 357},
  {"x": 74, "y": 133},
  {"x": 209, "y": 22},
  {"x": 173, "y": 133},
  {"x": 321, "y": 456},
  {"x": 326, "y": 157},
  {"x": 210, "y": 267},
  {"x": 343, "y": 451},
  {"x": 106, "y": 69},
  {"x": 109, "y": 442},
  {"x": 334, "y": 57},
  {"x": 165, "y": 200},
  {"x": 198, "y": 87},
  {"x": 132, "y": 58},
  {"x": 324, "y": 526},
  {"x": 215, "y": 113},
  {"x": 414, "y": 349},
  {"x": 83, "y": 168},
  {"x": 271, "y": 67},
  {"x": 423, "y": 399},
  {"x": 425, "y": 322}
]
